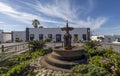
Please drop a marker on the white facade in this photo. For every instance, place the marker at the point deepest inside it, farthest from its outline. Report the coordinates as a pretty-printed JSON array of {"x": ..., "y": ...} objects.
[
  {"x": 7, "y": 37},
  {"x": 106, "y": 38},
  {"x": 21, "y": 35},
  {"x": 56, "y": 34},
  {"x": 82, "y": 34},
  {"x": 111, "y": 38},
  {"x": 1, "y": 36},
  {"x": 97, "y": 38}
]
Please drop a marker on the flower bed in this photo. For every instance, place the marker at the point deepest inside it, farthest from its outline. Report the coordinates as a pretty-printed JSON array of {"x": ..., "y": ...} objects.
[{"x": 104, "y": 62}]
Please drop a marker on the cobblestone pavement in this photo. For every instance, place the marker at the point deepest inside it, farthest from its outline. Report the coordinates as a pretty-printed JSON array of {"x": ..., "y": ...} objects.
[{"x": 41, "y": 71}]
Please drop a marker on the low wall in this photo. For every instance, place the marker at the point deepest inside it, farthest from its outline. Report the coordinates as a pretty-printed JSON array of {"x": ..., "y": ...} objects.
[
  {"x": 7, "y": 51},
  {"x": 114, "y": 46}
]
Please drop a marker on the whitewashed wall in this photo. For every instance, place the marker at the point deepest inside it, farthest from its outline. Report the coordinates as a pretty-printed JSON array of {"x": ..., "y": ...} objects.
[
  {"x": 106, "y": 38},
  {"x": 54, "y": 31},
  {"x": 111, "y": 38},
  {"x": 7, "y": 37},
  {"x": 1, "y": 36},
  {"x": 19, "y": 34}
]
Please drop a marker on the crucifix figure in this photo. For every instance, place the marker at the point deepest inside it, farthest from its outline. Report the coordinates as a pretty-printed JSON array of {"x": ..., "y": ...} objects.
[{"x": 67, "y": 37}]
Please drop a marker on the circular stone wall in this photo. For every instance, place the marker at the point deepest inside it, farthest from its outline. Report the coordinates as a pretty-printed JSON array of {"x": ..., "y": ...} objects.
[{"x": 63, "y": 60}]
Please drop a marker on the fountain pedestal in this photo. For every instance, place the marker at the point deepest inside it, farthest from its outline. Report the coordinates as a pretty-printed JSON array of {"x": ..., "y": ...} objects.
[{"x": 64, "y": 58}]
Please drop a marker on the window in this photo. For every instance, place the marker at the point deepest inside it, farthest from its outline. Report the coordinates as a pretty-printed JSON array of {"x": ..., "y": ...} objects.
[
  {"x": 17, "y": 39},
  {"x": 40, "y": 36},
  {"x": 31, "y": 36},
  {"x": 75, "y": 37},
  {"x": 50, "y": 36},
  {"x": 84, "y": 36},
  {"x": 58, "y": 37},
  {"x": 118, "y": 40},
  {"x": 109, "y": 39}
]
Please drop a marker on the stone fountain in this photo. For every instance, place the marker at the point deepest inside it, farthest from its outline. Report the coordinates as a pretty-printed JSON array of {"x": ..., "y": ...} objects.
[{"x": 66, "y": 57}]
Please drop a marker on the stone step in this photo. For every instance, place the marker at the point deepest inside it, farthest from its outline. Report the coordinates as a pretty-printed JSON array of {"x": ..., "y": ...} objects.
[
  {"x": 57, "y": 56},
  {"x": 46, "y": 65},
  {"x": 54, "y": 60},
  {"x": 63, "y": 64}
]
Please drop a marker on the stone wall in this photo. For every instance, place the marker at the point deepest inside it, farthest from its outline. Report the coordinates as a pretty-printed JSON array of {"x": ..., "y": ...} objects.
[{"x": 114, "y": 46}]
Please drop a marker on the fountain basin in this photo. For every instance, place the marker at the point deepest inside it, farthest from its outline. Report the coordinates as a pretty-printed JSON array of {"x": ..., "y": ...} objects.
[
  {"x": 74, "y": 52},
  {"x": 64, "y": 60}
]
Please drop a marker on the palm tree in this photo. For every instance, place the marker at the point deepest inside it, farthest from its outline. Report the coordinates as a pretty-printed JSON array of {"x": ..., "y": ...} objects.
[{"x": 35, "y": 23}]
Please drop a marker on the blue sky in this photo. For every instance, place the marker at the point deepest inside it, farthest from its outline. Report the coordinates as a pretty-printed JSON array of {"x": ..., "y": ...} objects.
[{"x": 102, "y": 16}]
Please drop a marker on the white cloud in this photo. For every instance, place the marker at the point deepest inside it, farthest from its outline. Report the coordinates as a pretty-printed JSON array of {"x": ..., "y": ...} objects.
[
  {"x": 11, "y": 27},
  {"x": 58, "y": 9},
  {"x": 108, "y": 30},
  {"x": 1, "y": 22},
  {"x": 8, "y": 10},
  {"x": 22, "y": 16},
  {"x": 92, "y": 23},
  {"x": 91, "y": 5},
  {"x": 63, "y": 10}
]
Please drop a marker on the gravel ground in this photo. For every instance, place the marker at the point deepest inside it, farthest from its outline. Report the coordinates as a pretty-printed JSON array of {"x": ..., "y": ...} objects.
[{"x": 38, "y": 70}]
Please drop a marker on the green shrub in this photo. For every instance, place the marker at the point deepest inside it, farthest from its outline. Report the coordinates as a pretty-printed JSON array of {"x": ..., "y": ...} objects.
[
  {"x": 18, "y": 40},
  {"x": 93, "y": 52},
  {"x": 22, "y": 62},
  {"x": 47, "y": 39},
  {"x": 17, "y": 69},
  {"x": 101, "y": 62},
  {"x": 103, "y": 52},
  {"x": 10, "y": 62},
  {"x": 88, "y": 70},
  {"x": 115, "y": 61},
  {"x": 91, "y": 48},
  {"x": 38, "y": 53},
  {"x": 105, "y": 58},
  {"x": 109, "y": 52},
  {"x": 42, "y": 52},
  {"x": 24, "y": 57},
  {"x": 91, "y": 45},
  {"x": 111, "y": 64},
  {"x": 34, "y": 45}
]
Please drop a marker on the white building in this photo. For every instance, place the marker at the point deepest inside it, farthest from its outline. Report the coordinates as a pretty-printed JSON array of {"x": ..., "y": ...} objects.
[
  {"x": 111, "y": 38},
  {"x": 106, "y": 38},
  {"x": 97, "y": 38},
  {"x": 1, "y": 36},
  {"x": 56, "y": 34},
  {"x": 20, "y": 35},
  {"x": 7, "y": 37}
]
